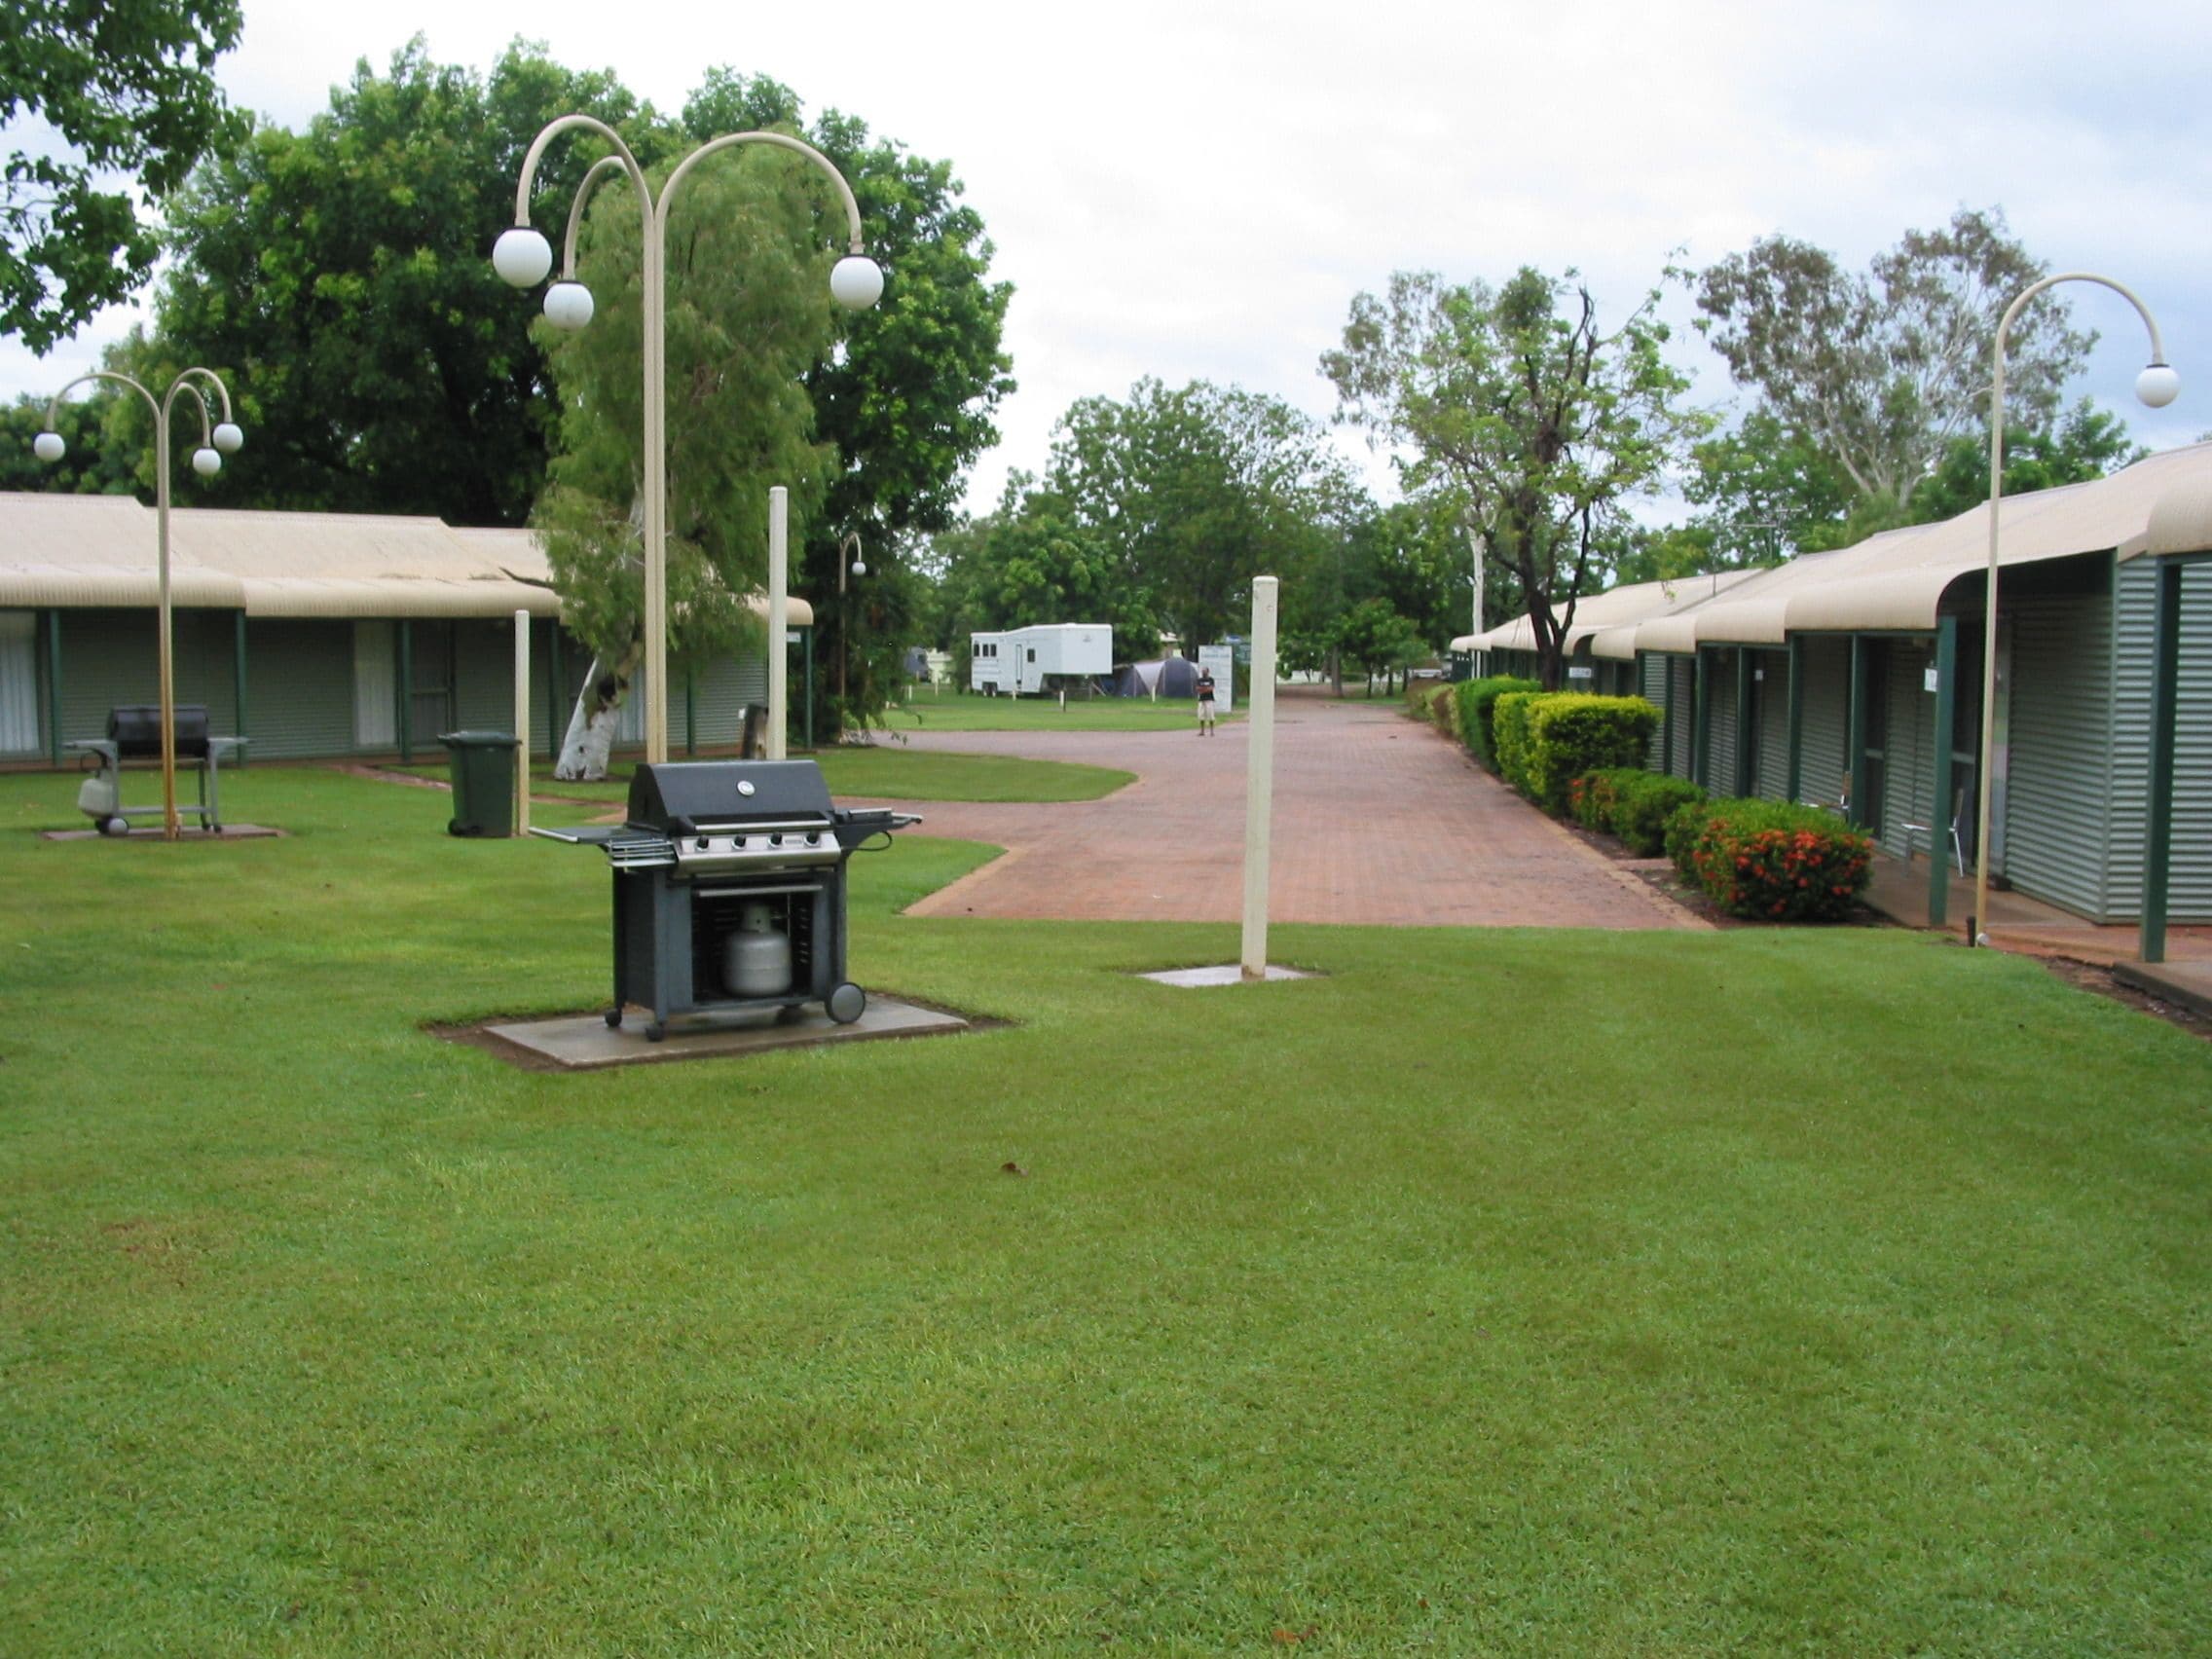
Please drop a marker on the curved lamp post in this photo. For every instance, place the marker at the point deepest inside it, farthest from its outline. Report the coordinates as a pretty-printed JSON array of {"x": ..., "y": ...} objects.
[
  {"x": 859, "y": 568},
  {"x": 2157, "y": 385},
  {"x": 523, "y": 257},
  {"x": 216, "y": 440}
]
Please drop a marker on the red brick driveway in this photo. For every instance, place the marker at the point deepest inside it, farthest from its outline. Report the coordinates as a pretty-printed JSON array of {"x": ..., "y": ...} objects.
[{"x": 1376, "y": 819}]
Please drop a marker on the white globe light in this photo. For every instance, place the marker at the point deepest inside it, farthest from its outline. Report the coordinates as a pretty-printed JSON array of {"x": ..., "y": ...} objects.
[
  {"x": 48, "y": 446},
  {"x": 206, "y": 462},
  {"x": 228, "y": 439},
  {"x": 2157, "y": 385},
  {"x": 568, "y": 305},
  {"x": 856, "y": 281},
  {"x": 521, "y": 257},
  {"x": 858, "y": 569}
]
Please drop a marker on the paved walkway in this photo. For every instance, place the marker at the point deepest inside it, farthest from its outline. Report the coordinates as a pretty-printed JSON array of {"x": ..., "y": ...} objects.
[{"x": 1376, "y": 819}]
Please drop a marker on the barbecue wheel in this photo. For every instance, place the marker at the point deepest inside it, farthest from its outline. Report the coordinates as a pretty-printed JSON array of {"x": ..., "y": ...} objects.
[
  {"x": 613, "y": 1019},
  {"x": 114, "y": 826},
  {"x": 846, "y": 1003},
  {"x": 655, "y": 1031}
]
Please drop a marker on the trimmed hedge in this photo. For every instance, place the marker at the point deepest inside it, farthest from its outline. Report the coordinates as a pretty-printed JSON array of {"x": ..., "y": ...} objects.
[
  {"x": 1595, "y": 797},
  {"x": 1769, "y": 861},
  {"x": 1509, "y": 736},
  {"x": 1566, "y": 734},
  {"x": 1432, "y": 700},
  {"x": 1647, "y": 801},
  {"x": 1477, "y": 701}
]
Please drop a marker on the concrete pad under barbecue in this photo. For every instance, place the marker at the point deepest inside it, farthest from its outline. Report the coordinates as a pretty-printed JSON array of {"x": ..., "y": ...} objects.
[{"x": 585, "y": 1042}]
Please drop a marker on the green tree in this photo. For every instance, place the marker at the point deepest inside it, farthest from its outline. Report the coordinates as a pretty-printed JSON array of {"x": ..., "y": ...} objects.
[
  {"x": 2088, "y": 443},
  {"x": 1543, "y": 424},
  {"x": 1034, "y": 561},
  {"x": 748, "y": 311},
  {"x": 340, "y": 279},
  {"x": 1196, "y": 490},
  {"x": 127, "y": 87},
  {"x": 1375, "y": 639},
  {"x": 1881, "y": 372},
  {"x": 908, "y": 399}
]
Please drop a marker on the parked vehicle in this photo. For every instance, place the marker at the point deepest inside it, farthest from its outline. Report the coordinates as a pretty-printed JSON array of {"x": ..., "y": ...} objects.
[{"x": 1046, "y": 658}]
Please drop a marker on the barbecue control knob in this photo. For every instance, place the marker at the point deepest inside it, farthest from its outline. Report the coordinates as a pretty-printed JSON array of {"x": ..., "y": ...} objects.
[
  {"x": 701, "y": 843},
  {"x": 775, "y": 840},
  {"x": 813, "y": 837}
]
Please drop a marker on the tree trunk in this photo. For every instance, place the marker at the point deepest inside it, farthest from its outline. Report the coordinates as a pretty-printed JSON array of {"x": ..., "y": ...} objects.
[{"x": 590, "y": 737}]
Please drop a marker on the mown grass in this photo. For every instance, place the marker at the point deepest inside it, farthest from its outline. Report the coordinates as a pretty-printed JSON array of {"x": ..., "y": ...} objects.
[
  {"x": 1498, "y": 1292},
  {"x": 884, "y": 771},
  {"x": 968, "y": 711}
]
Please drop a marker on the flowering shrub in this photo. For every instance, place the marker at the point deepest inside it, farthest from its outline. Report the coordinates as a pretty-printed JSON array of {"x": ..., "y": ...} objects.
[{"x": 1770, "y": 861}]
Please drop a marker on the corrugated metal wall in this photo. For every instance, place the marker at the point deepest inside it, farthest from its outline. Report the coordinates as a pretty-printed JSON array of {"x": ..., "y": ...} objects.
[
  {"x": 112, "y": 656},
  {"x": 1770, "y": 692},
  {"x": 1651, "y": 683},
  {"x": 1824, "y": 764},
  {"x": 22, "y": 714},
  {"x": 2189, "y": 881},
  {"x": 1720, "y": 717},
  {"x": 299, "y": 687},
  {"x": 1682, "y": 688},
  {"x": 2059, "y": 786},
  {"x": 1908, "y": 774}
]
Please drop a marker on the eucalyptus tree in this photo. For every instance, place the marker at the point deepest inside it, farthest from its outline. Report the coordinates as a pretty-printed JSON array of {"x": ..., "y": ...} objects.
[{"x": 1517, "y": 403}]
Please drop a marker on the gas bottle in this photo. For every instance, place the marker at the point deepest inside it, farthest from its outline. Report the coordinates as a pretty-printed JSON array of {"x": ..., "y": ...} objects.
[{"x": 757, "y": 959}]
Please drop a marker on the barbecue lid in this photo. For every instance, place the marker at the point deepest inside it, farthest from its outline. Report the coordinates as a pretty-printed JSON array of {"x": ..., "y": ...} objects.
[{"x": 676, "y": 795}]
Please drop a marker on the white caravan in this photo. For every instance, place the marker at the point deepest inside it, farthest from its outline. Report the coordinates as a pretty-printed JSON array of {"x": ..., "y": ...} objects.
[{"x": 1048, "y": 657}]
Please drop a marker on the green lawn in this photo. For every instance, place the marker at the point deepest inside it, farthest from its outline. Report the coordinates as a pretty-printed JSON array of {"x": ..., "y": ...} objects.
[
  {"x": 968, "y": 711},
  {"x": 889, "y": 771},
  {"x": 1817, "y": 1292}
]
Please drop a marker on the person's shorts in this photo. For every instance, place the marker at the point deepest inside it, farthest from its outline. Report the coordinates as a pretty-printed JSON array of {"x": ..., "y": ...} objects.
[{"x": 1206, "y": 708}]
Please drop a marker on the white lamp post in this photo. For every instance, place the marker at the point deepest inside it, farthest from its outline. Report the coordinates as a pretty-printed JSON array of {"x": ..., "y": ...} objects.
[
  {"x": 221, "y": 438},
  {"x": 2157, "y": 385},
  {"x": 851, "y": 545},
  {"x": 524, "y": 258}
]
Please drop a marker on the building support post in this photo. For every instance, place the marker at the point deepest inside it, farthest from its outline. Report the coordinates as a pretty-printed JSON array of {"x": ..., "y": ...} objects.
[
  {"x": 1795, "y": 783},
  {"x": 1746, "y": 735},
  {"x": 1700, "y": 695},
  {"x": 2166, "y": 702},
  {"x": 691, "y": 713},
  {"x": 1666, "y": 721},
  {"x": 1940, "y": 813},
  {"x": 1861, "y": 693},
  {"x": 406, "y": 692},
  {"x": 53, "y": 684},
  {"x": 238, "y": 683}
]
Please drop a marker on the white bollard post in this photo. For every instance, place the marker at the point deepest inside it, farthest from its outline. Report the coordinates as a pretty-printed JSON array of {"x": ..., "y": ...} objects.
[
  {"x": 521, "y": 722},
  {"x": 1259, "y": 776},
  {"x": 779, "y": 579}
]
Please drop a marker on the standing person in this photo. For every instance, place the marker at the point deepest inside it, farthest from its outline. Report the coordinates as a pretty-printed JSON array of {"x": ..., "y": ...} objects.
[{"x": 1205, "y": 702}]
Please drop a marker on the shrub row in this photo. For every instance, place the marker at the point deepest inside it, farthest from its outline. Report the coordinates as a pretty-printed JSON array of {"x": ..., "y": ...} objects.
[
  {"x": 1770, "y": 861},
  {"x": 1631, "y": 803},
  {"x": 1432, "y": 700},
  {"x": 1545, "y": 741},
  {"x": 1477, "y": 705}
]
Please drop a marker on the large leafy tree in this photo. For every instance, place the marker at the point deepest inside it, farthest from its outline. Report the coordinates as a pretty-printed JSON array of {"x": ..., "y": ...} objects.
[
  {"x": 2087, "y": 443},
  {"x": 1194, "y": 491},
  {"x": 340, "y": 277},
  {"x": 749, "y": 309},
  {"x": 1881, "y": 372},
  {"x": 1034, "y": 560},
  {"x": 1515, "y": 403},
  {"x": 908, "y": 398},
  {"x": 126, "y": 88}
]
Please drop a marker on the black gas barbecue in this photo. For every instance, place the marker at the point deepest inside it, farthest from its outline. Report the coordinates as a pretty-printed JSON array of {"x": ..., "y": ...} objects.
[
  {"x": 729, "y": 889},
  {"x": 135, "y": 733}
]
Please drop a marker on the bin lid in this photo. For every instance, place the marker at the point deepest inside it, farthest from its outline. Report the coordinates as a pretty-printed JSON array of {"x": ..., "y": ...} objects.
[{"x": 477, "y": 739}]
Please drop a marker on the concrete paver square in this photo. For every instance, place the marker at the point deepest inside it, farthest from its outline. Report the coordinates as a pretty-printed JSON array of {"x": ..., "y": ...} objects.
[
  {"x": 585, "y": 1042},
  {"x": 1226, "y": 973}
]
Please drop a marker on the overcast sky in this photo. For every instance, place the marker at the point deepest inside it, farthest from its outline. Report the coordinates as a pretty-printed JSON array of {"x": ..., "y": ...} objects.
[{"x": 1198, "y": 190}]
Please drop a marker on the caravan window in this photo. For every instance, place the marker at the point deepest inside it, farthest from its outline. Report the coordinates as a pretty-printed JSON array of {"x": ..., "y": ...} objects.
[{"x": 1032, "y": 653}]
